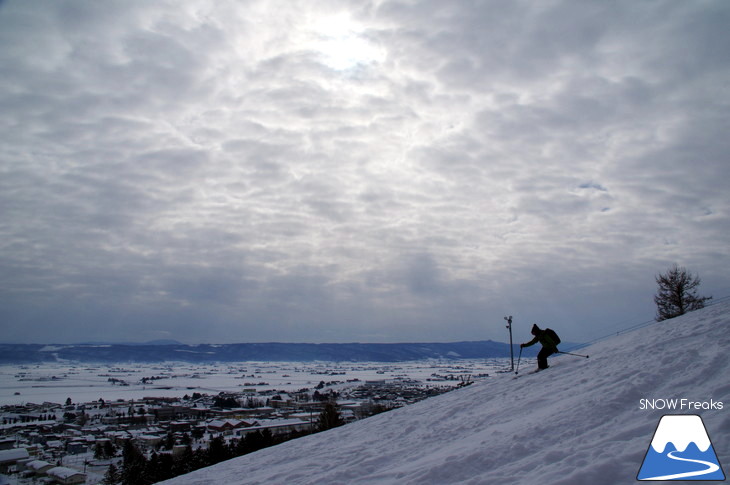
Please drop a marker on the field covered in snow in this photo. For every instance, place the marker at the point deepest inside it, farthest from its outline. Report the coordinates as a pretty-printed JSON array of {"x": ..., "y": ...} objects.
[
  {"x": 55, "y": 382},
  {"x": 583, "y": 421}
]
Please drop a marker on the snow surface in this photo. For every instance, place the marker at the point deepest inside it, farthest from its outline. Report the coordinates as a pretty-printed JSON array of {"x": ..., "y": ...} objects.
[{"x": 579, "y": 422}]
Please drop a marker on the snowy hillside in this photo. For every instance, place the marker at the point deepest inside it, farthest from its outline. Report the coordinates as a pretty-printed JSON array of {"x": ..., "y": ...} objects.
[{"x": 579, "y": 422}]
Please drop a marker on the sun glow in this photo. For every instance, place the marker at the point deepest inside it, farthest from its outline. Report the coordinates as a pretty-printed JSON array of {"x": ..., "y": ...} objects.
[{"x": 343, "y": 44}]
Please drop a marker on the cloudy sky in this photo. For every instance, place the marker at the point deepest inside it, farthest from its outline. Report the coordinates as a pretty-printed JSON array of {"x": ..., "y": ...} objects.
[{"x": 365, "y": 170}]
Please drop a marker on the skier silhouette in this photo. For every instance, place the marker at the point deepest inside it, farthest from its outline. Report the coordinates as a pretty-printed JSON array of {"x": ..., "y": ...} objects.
[{"x": 549, "y": 341}]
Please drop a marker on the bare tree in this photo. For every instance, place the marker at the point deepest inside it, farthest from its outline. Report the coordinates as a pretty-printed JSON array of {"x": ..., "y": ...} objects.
[{"x": 677, "y": 293}]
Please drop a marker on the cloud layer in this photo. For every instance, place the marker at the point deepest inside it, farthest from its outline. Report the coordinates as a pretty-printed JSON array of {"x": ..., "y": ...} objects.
[{"x": 356, "y": 171}]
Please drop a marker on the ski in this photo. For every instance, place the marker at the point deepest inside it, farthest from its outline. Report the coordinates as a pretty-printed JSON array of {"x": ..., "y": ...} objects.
[
  {"x": 527, "y": 373},
  {"x": 534, "y": 371}
]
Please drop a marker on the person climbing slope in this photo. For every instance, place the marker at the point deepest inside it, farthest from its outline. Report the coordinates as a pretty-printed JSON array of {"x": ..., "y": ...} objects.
[{"x": 549, "y": 340}]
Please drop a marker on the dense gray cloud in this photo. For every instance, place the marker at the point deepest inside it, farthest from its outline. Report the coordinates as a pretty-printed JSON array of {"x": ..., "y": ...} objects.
[{"x": 356, "y": 171}]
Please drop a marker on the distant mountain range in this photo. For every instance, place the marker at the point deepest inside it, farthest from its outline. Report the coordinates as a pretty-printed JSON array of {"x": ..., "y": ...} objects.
[{"x": 291, "y": 352}]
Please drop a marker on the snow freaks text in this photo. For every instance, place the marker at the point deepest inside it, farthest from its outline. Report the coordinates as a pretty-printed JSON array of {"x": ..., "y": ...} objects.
[{"x": 679, "y": 404}]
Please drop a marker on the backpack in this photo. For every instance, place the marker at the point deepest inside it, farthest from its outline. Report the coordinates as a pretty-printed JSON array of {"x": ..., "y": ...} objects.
[{"x": 553, "y": 336}]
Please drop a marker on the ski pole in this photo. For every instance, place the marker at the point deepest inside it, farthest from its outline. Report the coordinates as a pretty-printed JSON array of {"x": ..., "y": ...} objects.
[
  {"x": 577, "y": 355},
  {"x": 518, "y": 362}
]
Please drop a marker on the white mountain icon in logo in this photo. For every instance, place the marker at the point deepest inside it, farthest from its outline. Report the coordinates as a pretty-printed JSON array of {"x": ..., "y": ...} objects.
[{"x": 680, "y": 450}]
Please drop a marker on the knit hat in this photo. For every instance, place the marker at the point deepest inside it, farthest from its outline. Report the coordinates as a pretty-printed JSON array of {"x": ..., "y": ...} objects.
[{"x": 535, "y": 329}]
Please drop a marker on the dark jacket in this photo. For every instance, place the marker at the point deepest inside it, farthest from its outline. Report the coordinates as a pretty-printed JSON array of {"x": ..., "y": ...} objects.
[{"x": 544, "y": 339}]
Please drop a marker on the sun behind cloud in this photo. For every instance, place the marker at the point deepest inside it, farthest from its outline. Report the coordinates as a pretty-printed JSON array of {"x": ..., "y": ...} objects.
[{"x": 342, "y": 43}]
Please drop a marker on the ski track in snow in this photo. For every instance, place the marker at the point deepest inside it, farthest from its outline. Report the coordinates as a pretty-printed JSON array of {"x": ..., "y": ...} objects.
[
  {"x": 578, "y": 423},
  {"x": 711, "y": 468}
]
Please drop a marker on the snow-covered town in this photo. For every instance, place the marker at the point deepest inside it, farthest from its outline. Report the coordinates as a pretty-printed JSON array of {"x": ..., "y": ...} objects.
[{"x": 88, "y": 441}]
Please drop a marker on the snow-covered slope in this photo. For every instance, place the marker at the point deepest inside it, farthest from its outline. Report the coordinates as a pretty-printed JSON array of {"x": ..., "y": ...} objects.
[{"x": 579, "y": 422}]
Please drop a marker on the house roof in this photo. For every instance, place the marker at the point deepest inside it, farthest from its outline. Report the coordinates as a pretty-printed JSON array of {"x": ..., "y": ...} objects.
[
  {"x": 37, "y": 464},
  {"x": 230, "y": 423},
  {"x": 62, "y": 472},
  {"x": 13, "y": 454}
]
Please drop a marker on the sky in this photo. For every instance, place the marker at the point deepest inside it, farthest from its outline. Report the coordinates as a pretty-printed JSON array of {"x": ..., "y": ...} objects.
[{"x": 357, "y": 171}]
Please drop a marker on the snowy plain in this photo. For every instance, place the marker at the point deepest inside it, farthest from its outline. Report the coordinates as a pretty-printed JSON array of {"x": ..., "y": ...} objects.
[
  {"x": 55, "y": 382},
  {"x": 580, "y": 422}
]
